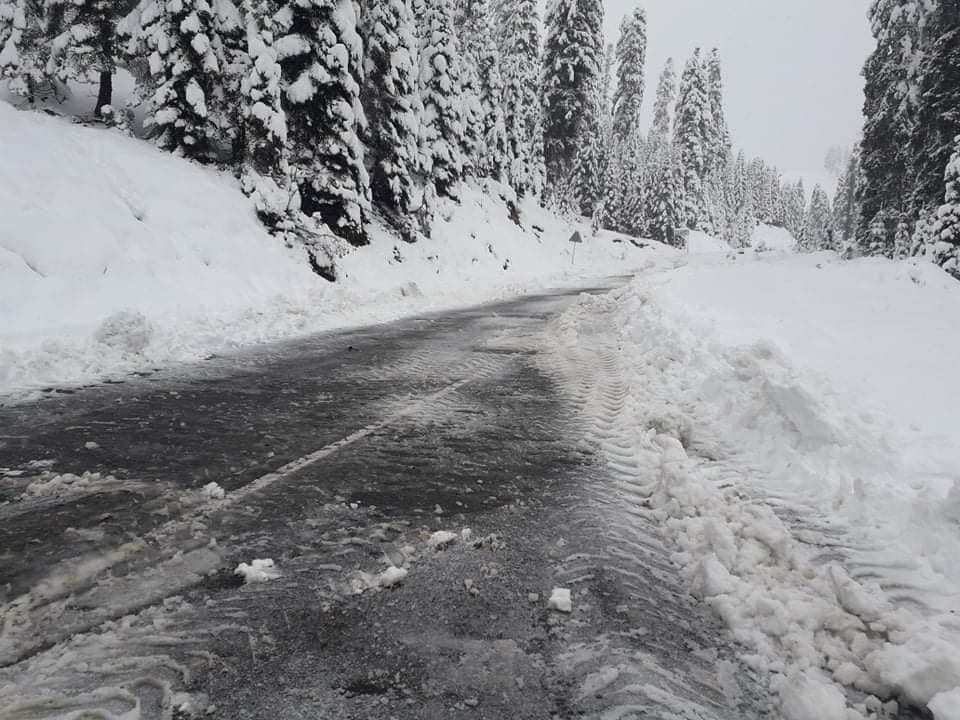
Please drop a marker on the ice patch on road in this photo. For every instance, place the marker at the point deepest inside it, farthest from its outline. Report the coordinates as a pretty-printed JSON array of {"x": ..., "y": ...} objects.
[{"x": 441, "y": 540}]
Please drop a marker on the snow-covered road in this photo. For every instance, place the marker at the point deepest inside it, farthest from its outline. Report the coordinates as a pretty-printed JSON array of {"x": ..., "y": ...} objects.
[
  {"x": 548, "y": 507},
  {"x": 340, "y": 458}
]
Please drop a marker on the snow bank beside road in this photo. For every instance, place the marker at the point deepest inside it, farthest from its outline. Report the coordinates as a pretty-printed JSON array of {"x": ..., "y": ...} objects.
[
  {"x": 115, "y": 256},
  {"x": 789, "y": 426}
]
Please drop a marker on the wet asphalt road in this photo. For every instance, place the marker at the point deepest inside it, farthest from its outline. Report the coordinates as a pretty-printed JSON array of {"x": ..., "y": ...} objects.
[{"x": 340, "y": 454}]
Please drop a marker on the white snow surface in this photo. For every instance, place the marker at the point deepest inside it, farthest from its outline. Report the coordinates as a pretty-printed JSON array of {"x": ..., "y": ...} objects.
[
  {"x": 115, "y": 256},
  {"x": 699, "y": 242},
  {"x": 793, "y": 427},
  {"x": 770, "y": 237}
]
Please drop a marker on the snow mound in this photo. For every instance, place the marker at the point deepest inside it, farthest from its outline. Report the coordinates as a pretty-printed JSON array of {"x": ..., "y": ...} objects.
[
  {"x": 213, "y": 491},
  {"x": 441, "y": 540},
  {"x": 946, "y": 706},
  {"x": 127, "y": 331},
  {"x": 258, "y": 571},
  {"x": 560, "y": 600},
  {"x": 771, "y": 237},
  {"x": 700, "y": 243}
]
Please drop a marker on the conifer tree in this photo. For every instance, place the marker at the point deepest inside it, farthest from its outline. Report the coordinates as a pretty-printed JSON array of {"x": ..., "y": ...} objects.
[
  {"x": 719, "y": 134},
  {"x": 795, "y": 211},
  {"x": 945, "y": 236},
  {"x": 23, "y": 48},
  {"x": 520, "y": 62},
  {"x": 590, "y": 162},
  {"x": 443, "y": 135},
  {"x": 665, "y": 101},
  {"x": 572, "y": 64},
  {"x": 84, "y": 38},
  {"x": 631, "y": 61},
  {"x": 846, "y": 209},
  {"x": 937, "y": 119},
  {"x": 664, "y": 202},
  {"x": 186, "y": 59},
  {"x": 692, "y": 132},
  {"x": 392, "y": 103},
  {"x": 818, "y": 232},
  {"x": 321, "y": 57},
  {"x": 266, "y": 169},
  {"x": 891, "y": 92},
  {"x": 481, "y": 59}
]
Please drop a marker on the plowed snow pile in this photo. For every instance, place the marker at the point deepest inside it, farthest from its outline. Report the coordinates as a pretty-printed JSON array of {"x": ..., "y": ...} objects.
[
  {"x": 115, "y": 256},
  {"x": 794, "y": 426}
]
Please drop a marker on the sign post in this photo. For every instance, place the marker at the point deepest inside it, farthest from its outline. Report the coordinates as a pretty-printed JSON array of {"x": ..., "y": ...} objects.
[{"x": 575, "y": 239}]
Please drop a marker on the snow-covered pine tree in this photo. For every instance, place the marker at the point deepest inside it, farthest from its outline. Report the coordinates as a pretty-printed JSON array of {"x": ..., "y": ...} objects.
[
  {"x": 83, "y": 41},
  {"x": 265, "y": 173},
  {"x": 609, "y": 61},
  {"x": 945, "y": 250},
  {"x": 321, "y": 55},
  {"x": 937, "y": 117},
  {"x": 664, "y": 200},
  {"x": 846, "y": 209},
  {"x": 187, "y": 60},
  {"x": 818, "y": 225},
  {"x": 23, "y": 48},
  {"x": 443, "y": 138},
  {"x": 891, "y": 92},
  {"x": 692, "y": 133},
  {"x": 392, "y": 103},
  {"x": 631, "y": 61},
  {"x": 481, "y": 59},
  {"x": 572, "y": 65},
  {"x": 589, "y": 171},
  {"x": 520, "y": 62},
  {"x": 719, "y": 134},
  {"x": 795, "y": 211},
  {"x": 665, "y": 102}
]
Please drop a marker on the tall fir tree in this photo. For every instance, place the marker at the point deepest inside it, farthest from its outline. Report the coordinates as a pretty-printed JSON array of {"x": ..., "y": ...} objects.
[
  {"x": 572, "y": 65},
  {"x": 891, "y": 92},
  {"x": 818, "y": 222},
  {"x": 481, "y": 58},
  {"x": 846, "y": 209},
  {"x": 944, "y": 249},
  {"x": 520, "y": 61},
  {"x": 938, "y": 107},
  {"x": 589, "y": 171},
  {"x": 692, "y": 132},
  {"x": 266, "y": 168},
  {"x": 187, "y": 64},
  {"x": 391, "y": 101},
  {"x": 665, "y": 102},
  {"x": 321, "y": 56},
  {"x": 719, "y": 134},
  {"x": 24, "y": 49},
  {"x": 443, "y": 134},
  {"x": 84, "y": 41},
  {"x": 631, "y": 61},
  {"x": 664, "y": 201}
]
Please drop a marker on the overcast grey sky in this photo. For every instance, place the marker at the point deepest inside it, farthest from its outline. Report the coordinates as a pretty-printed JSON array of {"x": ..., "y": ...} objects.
[{"x": 792, "y": 68}]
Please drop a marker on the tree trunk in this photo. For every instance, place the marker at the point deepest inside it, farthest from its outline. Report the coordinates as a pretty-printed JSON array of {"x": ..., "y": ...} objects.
[{"x": 105, "y": 95}]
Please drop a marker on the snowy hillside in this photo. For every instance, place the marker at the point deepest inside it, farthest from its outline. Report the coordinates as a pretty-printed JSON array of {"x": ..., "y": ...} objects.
[
  {"x": 795, "y": 428},
  {"x": 96, "y": 224}
]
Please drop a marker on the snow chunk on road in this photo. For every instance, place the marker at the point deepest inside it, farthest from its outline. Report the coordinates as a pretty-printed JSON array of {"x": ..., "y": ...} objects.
[
  {"x": 392, "y": 576},
  {"x": 213, "y": 491},
  {"x": 946, "y": 706},
  {"x": 807, "y": 696},
  {"x": 258, "y": 571},
  {"x": 441, "y": 540},
  {"x": 560, "y": 600}
]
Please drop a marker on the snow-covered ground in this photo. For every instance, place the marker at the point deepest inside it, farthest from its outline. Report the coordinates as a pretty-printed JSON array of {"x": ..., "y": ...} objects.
[
  {"x": 791, "y": 420},
  {"x": 115, "y": 256}
]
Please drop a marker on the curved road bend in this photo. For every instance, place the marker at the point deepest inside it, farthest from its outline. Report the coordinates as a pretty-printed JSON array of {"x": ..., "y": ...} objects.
[{"x": 340, "y": 455}]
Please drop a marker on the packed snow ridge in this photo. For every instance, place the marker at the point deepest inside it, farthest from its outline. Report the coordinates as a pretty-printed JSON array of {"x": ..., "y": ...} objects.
[{"x": 794, "y": 430}]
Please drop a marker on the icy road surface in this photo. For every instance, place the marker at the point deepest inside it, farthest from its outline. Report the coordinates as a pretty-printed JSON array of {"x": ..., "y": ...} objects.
[{"x": 426, "y": 491}]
